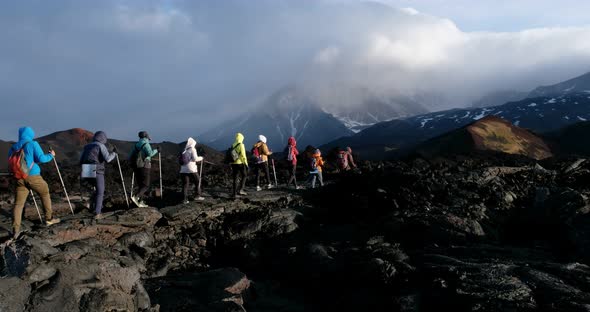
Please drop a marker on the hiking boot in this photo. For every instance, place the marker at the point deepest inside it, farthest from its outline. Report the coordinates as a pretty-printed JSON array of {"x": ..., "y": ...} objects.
[
  {"x": 52, "y": 221},
  {"x": 269, "y": 186},
  {"x": 242, "y": 193},
  {"x": 299, "y": 187},
  {"x": 98, "y": 216},
  {"x": 16, "y": 234},
  {"x": 135, "y": 200},
  {"x": 142, "y": 205},
  {"x": 185, "y": 202},
  {"x": 200, "y": 198},
  {"x": 258, "y": 188}
]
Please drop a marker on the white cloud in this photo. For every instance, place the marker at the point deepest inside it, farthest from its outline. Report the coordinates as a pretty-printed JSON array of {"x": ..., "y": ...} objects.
[
  {"x": 153, "y": 19},
  {"x": 327, "y": 56},
  {"x": 411, "y": 11}
]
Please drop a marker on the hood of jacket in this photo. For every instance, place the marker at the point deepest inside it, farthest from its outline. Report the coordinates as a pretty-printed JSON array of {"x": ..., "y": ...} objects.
[
  {"x": 292, "y": 141},
  {"x": 100, "y": 137},
  {"x": 239, "y": 138},
  {"x": 190, "y": 143},
  {"x": 25, "y": 134}
]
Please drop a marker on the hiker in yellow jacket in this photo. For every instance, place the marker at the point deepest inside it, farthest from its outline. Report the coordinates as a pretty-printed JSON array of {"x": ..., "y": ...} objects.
[{"x": 239, "y": 166}]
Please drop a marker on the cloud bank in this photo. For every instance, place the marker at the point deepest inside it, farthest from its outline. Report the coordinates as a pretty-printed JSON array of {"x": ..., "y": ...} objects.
[{"x": 176, "y": 68}]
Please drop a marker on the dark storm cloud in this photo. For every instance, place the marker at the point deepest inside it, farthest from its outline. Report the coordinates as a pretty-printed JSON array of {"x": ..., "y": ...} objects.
[{"x": 178, "y": 67}]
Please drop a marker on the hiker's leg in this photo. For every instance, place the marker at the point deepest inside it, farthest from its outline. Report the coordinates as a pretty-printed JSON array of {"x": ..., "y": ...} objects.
[
  {"x": 257, "y": 167},
  {"x": 144, "y": 182},
  {"x": 185, "y": 184},
  {"x": 235, "y": 171},
  {"x": 291, "y": 172},
  {"x": 313, "y": 176},
  {"x": 99, "y": 197},
  {"x": 195, "y": 177},
  {"x": 243, "y": 174},
  {"x": 37, "y": 184},
  {"x": 19, "y": 203},
  {"x": 267, "y": 172},
  {"x": 320, "y": 177},
  {"x": 294, "y": 174}
]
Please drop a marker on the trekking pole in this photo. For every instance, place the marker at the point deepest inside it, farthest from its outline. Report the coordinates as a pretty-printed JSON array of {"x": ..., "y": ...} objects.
[
  {"x": 132, "y": 179},
  {"x": 200, "y": 174},
  {"x": 62, "y": 182},
  {"x": 36, "y": 206},
  {"x": 160, "y": 165},
  {"x": 122, "y": 180},
  {"x": 274, "y": 172}
]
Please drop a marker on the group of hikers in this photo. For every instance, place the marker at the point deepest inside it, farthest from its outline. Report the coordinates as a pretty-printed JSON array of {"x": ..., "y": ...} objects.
[{"x": 25, "y": 155}]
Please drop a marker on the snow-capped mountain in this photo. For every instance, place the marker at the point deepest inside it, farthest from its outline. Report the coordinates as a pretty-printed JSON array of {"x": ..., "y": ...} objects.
[
  {"x": 373, "y": 110},
  {"x": 541, "y": 114},
  {"x": 561, "y": 105},
  {"x": 499, "y": 97},
  {"x": 288, "y": 112},
  {"x": 575, "y": 85}
]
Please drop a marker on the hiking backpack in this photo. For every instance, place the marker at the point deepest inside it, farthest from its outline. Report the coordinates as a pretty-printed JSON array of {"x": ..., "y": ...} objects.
[
  {"x": 18, "y": 164},
  {"x": 184, "y": 158},
  {"x": 313, "y": 164},
  {"x": 231, "y": 155},
  {"x": 136, "y": 160},
  {"x": 342, "y": 160},
  {"x": 256, "y": 154}
]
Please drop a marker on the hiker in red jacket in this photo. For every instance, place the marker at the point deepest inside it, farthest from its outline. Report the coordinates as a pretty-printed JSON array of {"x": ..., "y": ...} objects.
[{"x": 292, "y": 152}]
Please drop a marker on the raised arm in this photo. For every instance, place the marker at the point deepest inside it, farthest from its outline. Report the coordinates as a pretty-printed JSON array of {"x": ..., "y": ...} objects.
[
  {"x": 105, "y": 153},
  {"x": 38, "y": 154}
]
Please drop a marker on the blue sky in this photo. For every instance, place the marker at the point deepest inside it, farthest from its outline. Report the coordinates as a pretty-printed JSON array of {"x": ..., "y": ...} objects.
[{"x": 178, "y": 68}]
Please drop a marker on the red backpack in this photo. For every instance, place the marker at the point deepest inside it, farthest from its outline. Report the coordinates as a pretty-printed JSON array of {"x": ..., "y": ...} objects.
[
  {"x": 256, "y": 154},
  {"x": 18, "y": 165}
]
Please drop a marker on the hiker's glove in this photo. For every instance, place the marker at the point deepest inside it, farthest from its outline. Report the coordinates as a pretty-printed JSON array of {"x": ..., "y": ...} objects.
[{"x": 114, "y": 149}]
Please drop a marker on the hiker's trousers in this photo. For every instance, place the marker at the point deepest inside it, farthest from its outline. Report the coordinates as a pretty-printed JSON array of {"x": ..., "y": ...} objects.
[
  {"x": 313, "y": 177},
  {"x": 239, "y": 170},
  {"x": 143, "y": 181},
  {"x": 39, "y": 186},
  {"x": 260, "y": 167},
  {"x": 186, "y": 179}
]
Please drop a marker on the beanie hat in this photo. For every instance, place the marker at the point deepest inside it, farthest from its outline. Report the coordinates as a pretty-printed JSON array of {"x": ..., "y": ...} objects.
[
  {"x": 262, "y": 138},
  {"x": 144, "y": 134}
]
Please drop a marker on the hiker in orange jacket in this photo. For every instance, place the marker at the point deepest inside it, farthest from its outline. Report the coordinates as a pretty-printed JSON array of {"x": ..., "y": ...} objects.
[
  {"x": 260, "y": 153},
  {"x": 316, "y": 164}
]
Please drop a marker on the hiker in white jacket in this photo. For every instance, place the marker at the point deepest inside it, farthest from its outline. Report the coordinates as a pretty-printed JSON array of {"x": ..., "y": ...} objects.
[{"x": 189, "y": 169}]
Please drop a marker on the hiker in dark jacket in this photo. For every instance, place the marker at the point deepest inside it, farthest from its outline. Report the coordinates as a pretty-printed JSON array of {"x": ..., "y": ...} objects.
[
  {"x": 33, "y": 155},
  {"x": 292, "y": 152},
  {"x": 96, "y": 153},
  {"x": 143, "y": 150},
  {"x": 261, "y": 163}
]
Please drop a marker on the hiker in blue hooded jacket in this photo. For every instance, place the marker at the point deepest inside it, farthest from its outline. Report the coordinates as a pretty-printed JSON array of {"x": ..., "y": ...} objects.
[
  {"x": 96, "y": 153},
  {"x": 33, "y": 155},
  {"x": 142, "y": 151}
]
